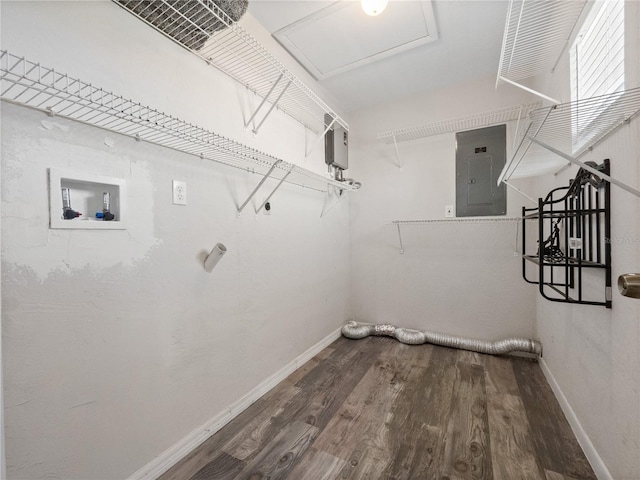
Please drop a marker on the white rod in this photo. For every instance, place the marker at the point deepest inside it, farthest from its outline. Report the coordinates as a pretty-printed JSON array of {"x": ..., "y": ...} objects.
[
  {"x": 273, "y": 105},
  {"x": 321, "y": 136},
  {"x": 264, "y": 179},
  {"x": 519, "y": 191},
  {"x": 325, "y": 209},
  {"x": 530, "y": 90},
  {"x": 586, "y": 167},
  {"x": 509, "y": 164},
  {"x": 395, "y": 144},
  {"x": 524, "y": 137},
  {"x": 262, "y": 102},
  {"x": 515, "y": 135},
  {"x": 562, "y": 169},
  {"x": 274, "y": 191},
  {"x": 400, "y": 238}
]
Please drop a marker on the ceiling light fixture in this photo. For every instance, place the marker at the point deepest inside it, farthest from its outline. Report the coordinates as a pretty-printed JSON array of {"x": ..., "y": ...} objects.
[{"x": 373, "y": 7}]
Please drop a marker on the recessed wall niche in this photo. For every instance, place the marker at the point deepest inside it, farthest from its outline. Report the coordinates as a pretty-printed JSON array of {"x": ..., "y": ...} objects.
[{"x": 84, "y": 201}]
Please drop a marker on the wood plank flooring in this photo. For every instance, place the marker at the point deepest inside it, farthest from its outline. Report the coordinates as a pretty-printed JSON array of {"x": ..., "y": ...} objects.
[{"x": 378, "y": 409}]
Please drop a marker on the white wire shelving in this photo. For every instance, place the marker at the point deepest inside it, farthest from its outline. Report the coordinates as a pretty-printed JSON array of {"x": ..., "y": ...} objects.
[
  {"x": 207, "y": 31},
  {"x": 535, "y": 36},
  {"x": 570, "y": 130},
  {"x": 30, "y": 84},
  {"x": 452, "y": 221},
  {"x": 459, "y": 124}
]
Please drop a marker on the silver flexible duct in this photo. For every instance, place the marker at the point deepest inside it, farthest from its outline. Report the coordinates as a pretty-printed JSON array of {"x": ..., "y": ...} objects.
[{"x": 357, "y": 330}]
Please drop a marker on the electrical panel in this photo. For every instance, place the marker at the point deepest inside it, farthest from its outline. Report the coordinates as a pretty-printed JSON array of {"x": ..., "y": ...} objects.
[{"x": 480, "y": 156}]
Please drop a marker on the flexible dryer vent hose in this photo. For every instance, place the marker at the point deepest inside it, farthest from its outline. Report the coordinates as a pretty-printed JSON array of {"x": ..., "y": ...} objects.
[{"x": 356, "y": 330}]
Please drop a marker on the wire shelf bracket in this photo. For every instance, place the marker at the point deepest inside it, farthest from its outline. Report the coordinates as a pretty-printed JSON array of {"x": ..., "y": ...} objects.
[
  {"x": 320, "y": 137},
  {"x": 528, "y": 89},
  {"x": 32, "y": 85},
  {"x": 516, "y": 189},
  {"x": 255, "y": 190},
  {"x": 400, "y": 238},
  {"x": 395, "y": 145},
  {"x": 264, "y": 100},
  {"x": 588, "y": 168},
  {"x": 208, "y": 32},
  {"x": 329, "y": 203},
  {"x": 571, "y": 130}
]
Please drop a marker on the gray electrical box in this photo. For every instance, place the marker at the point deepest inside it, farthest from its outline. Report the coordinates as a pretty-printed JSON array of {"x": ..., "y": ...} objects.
[
  {"x": 480, "y": 157},
  {"x": 336, "y": 145}
]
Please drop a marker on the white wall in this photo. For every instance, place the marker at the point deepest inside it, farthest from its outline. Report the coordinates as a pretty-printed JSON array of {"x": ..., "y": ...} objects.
[
  {"x": 594, "y": 353},
  {"x": 116, "y": 344},
  {"x": 461, "y": 279}
]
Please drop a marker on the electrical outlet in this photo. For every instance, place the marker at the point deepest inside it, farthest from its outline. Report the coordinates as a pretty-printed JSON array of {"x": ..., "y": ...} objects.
[
  {"x": 448, "y": 211},
  {"x": 179, "y": 192}
]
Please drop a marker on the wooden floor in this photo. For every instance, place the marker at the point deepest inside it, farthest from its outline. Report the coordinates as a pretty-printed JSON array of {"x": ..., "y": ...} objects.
[{"x": 378, "y": 409}]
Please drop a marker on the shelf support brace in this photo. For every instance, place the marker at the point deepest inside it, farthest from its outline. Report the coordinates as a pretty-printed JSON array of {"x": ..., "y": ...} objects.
[
  {"x": 274, "y": 191},
  {"x": 395, "y": 144},
  {"x": 326, "y": 209},
  {"x": 264, "y": 100},
  {"x": 530, "y": 90},
  {"x": 273, "y": 105},
  {"x": 562, "y": 169},
  {"x": 255, "y": 190},
  {"x": 400, "y": 238},
  {"x": 586, "y": 167},
  {"x": 319, "y": 139},
  {"x": 516, "y": 189}
]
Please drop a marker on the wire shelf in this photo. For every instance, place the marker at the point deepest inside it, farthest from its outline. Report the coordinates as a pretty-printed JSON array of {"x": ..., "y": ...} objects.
[
  {"x": 32, "y": 85},
  {"x": 454, "y": 221},
  {"x": 459, "y": 124},
  {"x": 459, "y": 220},
  {"x": 570, "y": 128},
  {"x": 536, "y": 33},
  {"x": 207, "y": 31}
]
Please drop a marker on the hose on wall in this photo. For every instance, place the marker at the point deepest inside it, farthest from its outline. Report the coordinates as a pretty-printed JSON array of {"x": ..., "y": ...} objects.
[{"x": 357, "y": 330}]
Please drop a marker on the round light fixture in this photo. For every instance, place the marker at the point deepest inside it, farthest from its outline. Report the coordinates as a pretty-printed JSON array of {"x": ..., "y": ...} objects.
[{"x": 373, "y": 7}]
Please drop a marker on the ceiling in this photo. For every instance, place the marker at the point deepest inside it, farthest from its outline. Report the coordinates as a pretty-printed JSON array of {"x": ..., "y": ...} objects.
[{"x": 412, "y": 47}]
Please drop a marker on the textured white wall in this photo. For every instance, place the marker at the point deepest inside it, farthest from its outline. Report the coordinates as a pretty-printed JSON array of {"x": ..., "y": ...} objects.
[
  {"x": 594, "y": 353},
  {"x": 461, "y": 279},
  {"x": 117, "y": 344}
]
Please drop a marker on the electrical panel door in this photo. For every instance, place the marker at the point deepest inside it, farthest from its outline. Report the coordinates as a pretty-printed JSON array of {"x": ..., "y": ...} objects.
[{"x": 480, "y": 156}]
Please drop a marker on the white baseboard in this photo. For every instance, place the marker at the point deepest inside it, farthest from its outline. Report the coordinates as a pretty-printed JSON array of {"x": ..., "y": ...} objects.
[
  {"x": 599, "y": 468},
  {"x": 171, "y": 456}
]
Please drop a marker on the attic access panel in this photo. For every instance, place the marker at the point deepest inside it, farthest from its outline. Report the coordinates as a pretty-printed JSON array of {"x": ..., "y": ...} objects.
[
  {"x": 324, "y": 43},
  {"x": 480, "y": 157}
]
